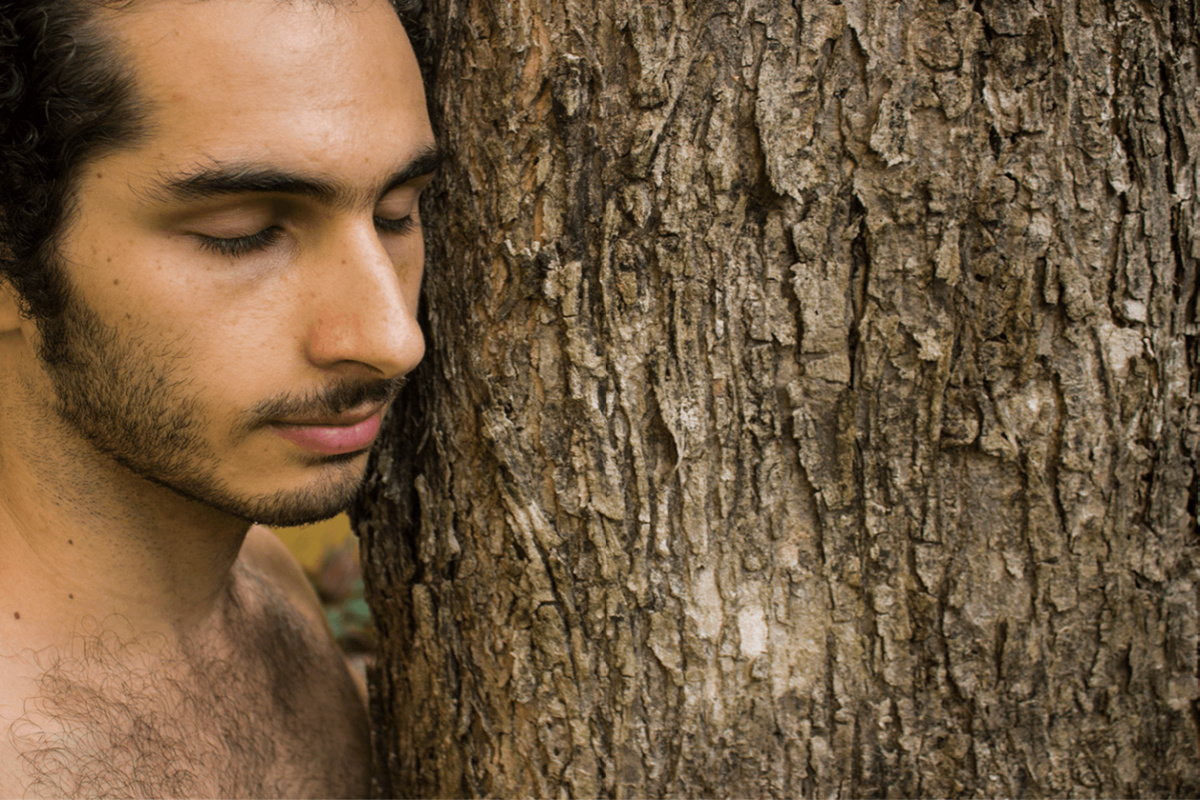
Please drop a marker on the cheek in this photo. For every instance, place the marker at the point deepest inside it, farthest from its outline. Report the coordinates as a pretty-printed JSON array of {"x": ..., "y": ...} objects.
[
  {"x": 233, "y": 343},
  {"x": 410, "y": 268}
]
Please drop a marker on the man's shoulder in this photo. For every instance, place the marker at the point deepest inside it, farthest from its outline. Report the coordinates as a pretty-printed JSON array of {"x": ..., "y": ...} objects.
[
  {"x": 265, "y": 556},
  {"x": 329, "y": 697}
]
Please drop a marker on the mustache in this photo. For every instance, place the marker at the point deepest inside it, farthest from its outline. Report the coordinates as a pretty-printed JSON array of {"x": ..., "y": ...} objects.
[{"x": 328, "y": 401}]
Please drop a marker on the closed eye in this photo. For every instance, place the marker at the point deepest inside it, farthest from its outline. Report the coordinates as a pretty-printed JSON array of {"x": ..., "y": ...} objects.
[
  {"x": 397, "y": 227},
  {"x": 238, "y": 246}
]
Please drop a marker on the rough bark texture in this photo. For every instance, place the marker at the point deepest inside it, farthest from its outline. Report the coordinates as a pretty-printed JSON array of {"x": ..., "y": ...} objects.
[{"x": 811, "y": 405}]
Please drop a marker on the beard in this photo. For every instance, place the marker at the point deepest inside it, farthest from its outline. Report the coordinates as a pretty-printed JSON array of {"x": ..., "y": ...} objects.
[{"x": 131, "y": 400}]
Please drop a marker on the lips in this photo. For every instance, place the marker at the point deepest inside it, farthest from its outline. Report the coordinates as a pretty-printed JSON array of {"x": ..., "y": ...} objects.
[{"x": 333, "y": 437}]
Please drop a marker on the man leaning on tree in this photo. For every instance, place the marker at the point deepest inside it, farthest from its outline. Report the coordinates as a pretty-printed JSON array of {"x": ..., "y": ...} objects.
[{"x": 209, "y": 270}]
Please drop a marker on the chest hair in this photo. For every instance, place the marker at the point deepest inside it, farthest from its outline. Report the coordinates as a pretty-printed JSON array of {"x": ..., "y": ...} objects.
[{"x": 198, "y": 720}]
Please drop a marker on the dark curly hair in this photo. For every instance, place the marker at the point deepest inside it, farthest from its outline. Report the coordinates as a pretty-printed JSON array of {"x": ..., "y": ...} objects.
[{"x": 66, "y": 98}]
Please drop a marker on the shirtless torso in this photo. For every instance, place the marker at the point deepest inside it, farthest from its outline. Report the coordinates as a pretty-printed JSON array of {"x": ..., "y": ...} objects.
[{"x": 257, "y": 702}]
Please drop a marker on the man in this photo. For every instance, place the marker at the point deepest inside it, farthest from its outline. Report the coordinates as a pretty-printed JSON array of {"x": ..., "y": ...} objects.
[{"x": 211, "y": 262}]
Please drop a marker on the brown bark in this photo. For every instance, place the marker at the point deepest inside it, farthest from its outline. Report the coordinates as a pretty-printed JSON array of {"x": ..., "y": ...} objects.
[{"x": 811, "y": 405}]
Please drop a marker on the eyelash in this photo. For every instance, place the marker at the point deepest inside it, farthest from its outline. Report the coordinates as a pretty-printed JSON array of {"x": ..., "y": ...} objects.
[
  {"x": 239, "y": 246},
  {"x": 396, "y": 227}
]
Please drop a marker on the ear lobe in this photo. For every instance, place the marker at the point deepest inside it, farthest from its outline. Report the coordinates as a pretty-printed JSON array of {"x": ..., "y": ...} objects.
[{"x": 10, "y": 308}]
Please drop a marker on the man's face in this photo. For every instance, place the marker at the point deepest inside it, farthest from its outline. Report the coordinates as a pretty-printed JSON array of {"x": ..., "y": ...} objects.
[{"x": 245, "y": 279}]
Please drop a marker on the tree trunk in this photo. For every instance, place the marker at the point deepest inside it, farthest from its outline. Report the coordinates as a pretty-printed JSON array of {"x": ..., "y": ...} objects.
[{"x": 811, "y": 406}]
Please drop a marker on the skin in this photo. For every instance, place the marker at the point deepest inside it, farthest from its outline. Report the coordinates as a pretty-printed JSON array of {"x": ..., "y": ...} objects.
[{"x": 257, "y": 326}]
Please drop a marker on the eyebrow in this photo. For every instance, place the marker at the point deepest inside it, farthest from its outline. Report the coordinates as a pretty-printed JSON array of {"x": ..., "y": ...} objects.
[{"x": 221, "y": 180}]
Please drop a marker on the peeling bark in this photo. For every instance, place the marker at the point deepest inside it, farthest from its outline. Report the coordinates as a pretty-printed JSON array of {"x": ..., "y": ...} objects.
[{"x": 811, "y": 405}]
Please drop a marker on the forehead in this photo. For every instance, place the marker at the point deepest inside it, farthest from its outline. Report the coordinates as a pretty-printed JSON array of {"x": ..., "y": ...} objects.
[{"x": 332, "y": 87}]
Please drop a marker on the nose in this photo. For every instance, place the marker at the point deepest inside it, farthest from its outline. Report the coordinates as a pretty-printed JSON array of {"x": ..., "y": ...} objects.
[{"x": 365, "y": 305}]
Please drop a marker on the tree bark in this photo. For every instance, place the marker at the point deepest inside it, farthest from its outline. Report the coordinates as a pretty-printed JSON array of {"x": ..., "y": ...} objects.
[{"x": 811, "y": 405}]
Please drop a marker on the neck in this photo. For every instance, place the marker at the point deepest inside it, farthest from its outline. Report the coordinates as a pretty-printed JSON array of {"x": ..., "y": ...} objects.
[{"x": 105, "y": 544}]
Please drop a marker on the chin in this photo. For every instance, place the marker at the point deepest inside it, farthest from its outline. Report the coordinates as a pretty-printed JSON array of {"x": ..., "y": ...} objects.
[
  {"x": 287, "y": 509},
  {"x": 291, "y": 515},
  {"x": 322, "y": 498}
]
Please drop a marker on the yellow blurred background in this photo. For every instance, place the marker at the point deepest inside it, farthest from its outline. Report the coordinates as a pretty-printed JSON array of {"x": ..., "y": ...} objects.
[{"x": 310, "y": 543}]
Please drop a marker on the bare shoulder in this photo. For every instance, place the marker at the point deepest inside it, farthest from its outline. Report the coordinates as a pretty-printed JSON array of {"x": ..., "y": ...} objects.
[
  {"x": 332, "y": 695},
  {"x": 267, "y": 556}
]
